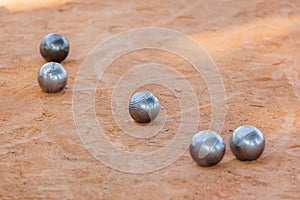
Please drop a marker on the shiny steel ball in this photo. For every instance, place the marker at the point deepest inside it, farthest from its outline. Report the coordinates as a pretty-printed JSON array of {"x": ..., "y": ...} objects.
[
  {"x": 52, "y": 77},
  {"x": 144, "y": 107},
  {"x": 247, "y": 143},
  {"x": 207, "y": 148},
  {"x": 54, "y": 47}
]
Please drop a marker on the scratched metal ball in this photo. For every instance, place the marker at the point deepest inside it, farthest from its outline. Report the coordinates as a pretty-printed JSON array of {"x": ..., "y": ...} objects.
[
  {"x": 143, "y": 107},
  {"x": 54, "y": 47},
  {"x": 207, "y": 148},
  {"x": 52, "y": 77},
  {"x": 247, "y": 143}
]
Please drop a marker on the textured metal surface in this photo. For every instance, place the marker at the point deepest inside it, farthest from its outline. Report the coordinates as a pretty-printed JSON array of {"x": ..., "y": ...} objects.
[
  {"x": 247, "y": 143},
  {"x": 52, "y": 77},
  {"x": 54, "y": 47},
  {"x": 144, "y": 107},
  {"x": 207, "y": 148}
]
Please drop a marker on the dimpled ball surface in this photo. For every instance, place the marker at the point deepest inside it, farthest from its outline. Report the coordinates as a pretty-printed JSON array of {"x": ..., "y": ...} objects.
[
  {"x": 54, "y": 47},
  {"x": 52, "y": 77},
  {"x": 144, "y": 107},
  {"x": 207, "y": 148},
  {"x": 247, "y": 143}
]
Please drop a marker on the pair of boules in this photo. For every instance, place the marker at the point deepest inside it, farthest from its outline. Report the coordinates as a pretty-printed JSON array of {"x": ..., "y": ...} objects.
[
  {"x": 52, "y": 76},
  {"x": 207, "y": 147}
]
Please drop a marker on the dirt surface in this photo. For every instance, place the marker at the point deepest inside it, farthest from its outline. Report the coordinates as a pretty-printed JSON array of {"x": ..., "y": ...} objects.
[{"x": 255, "y": 45}]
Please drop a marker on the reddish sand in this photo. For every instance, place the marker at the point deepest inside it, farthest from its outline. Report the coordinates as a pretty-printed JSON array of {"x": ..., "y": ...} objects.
[{"x": 255, "y": 45}]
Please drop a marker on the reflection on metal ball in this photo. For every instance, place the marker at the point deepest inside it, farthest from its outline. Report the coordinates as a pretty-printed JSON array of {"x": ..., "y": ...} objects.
[
  {"x": 54, "y": 47},
  {"x": 144, "y": 107},
  {"x": 207, "y": 148},
  {"x": 52, "y": 77},
  {"x": 247, "y": 143}
]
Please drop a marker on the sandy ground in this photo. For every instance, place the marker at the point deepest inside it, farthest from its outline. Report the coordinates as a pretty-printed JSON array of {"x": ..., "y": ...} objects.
[{"x": 255, "y": 45}]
